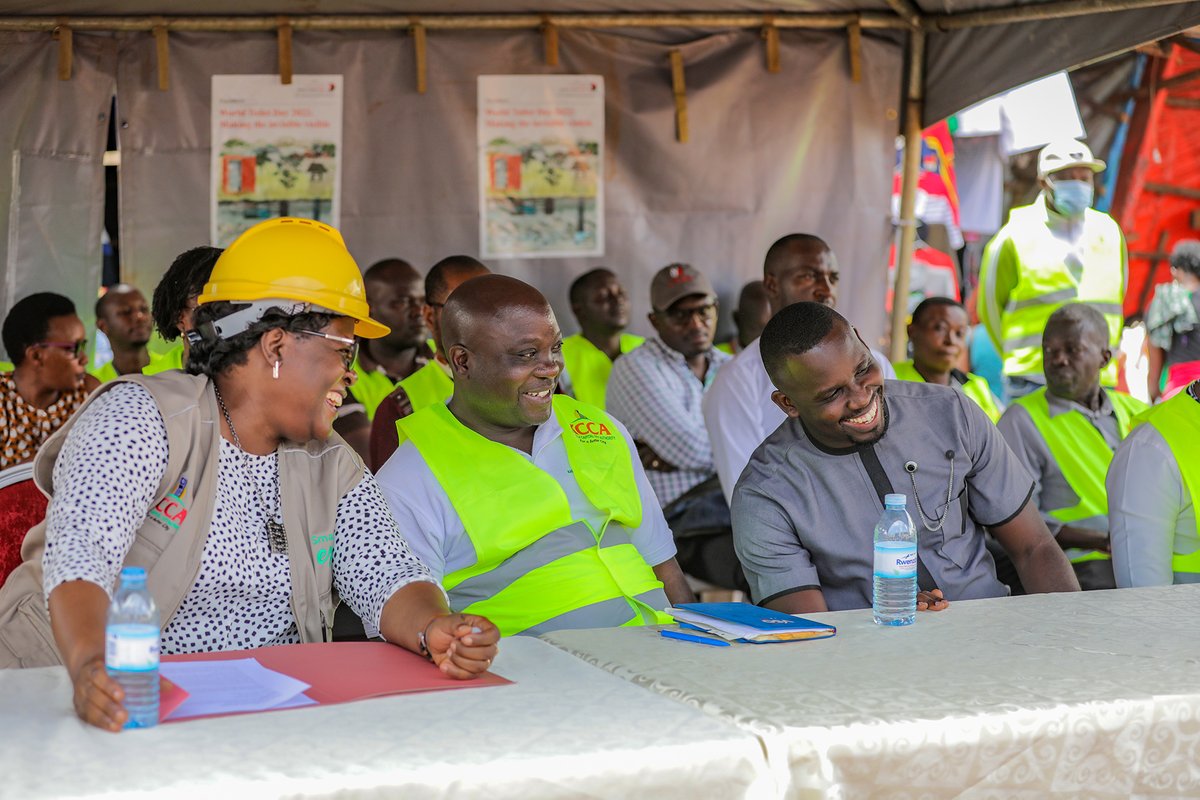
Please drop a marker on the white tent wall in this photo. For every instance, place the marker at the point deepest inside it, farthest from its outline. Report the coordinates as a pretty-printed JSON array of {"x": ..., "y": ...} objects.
[
  {"x": 52, "y": 137},
  {"x": 763, "y": 160},
  {"x": 802, "y": 150}
]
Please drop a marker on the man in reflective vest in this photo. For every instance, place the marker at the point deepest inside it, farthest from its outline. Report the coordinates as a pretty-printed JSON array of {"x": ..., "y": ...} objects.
[
  {"x": 601, "y": 307},
  {"x": 1154, "y": 496},
  {"x": 938, "y": 333},
  {"x": 1054, "y": 251},
  {"x": 531, "y": 505},
  {"x": 431, "y": 383},
  {"x": 123, "y": 315},
  {"x": 396, "y": 295},
  {"x": 1065, "y": 434}
]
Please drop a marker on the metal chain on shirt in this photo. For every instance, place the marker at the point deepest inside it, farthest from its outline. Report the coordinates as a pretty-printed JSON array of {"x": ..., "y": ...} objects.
[
  {"x": 928, "y": 522},
  {"x": 276, "y": 533}
]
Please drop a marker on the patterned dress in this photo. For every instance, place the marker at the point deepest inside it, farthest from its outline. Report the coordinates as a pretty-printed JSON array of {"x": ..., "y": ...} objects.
[{"x": 23, "y": 428}]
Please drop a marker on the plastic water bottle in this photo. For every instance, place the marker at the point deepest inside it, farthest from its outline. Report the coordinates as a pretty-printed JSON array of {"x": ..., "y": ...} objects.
[
  {"x": 131, "y": 647},
  {"x": 895, "y": 600}
]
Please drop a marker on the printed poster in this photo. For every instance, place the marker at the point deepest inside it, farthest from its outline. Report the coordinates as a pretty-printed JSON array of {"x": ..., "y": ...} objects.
[
  {"x": 276, "y": 151},
  {"x": 541, "y": 164}
]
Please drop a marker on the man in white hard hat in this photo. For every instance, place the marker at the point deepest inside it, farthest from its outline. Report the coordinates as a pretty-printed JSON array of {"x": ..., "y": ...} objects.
[{"x": 1054, "y": 251}]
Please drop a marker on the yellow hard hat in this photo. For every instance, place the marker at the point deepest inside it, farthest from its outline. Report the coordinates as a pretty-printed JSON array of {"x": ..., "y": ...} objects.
[{"x": 292, "y": 259}]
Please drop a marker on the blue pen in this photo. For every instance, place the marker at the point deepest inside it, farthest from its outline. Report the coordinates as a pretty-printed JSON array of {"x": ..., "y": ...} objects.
[{"x": 687, "y": 637}]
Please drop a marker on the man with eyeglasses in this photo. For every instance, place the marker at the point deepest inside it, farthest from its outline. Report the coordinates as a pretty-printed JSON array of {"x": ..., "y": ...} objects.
[
  {"x": 738, "y": 410},
  {"x": 656, "y": 392},
  {"x": 46, "y": 341}
]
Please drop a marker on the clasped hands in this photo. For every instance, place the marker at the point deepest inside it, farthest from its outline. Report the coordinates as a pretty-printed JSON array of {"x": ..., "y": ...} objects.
[
  {"x": 932, "y": 601},
  {"x": 461, "y": 645}
]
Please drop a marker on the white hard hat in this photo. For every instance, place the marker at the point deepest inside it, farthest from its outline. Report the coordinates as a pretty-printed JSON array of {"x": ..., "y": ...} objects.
[{"x": 1065, "y": 154}]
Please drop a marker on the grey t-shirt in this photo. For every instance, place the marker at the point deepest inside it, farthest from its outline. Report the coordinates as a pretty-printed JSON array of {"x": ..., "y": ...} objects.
[
  {"x": 1051, "y": 489},
  {"x": 804, "y": 515}
]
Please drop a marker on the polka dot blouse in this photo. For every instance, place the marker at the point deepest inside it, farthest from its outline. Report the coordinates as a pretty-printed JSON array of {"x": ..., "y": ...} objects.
[{"x": 105, "y": 482}]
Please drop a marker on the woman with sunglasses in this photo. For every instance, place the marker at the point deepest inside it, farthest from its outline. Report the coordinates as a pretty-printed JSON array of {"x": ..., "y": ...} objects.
[
  {"x": 47, "y": 381},
  {"x": 227, "y": 484}
]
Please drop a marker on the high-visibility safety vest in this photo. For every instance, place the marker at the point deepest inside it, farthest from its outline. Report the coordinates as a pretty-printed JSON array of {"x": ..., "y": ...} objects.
[
  {"x": 1045, "y": 282},
  {"x": 589, "y": 367},
  {"x": 1083, "y": 456},
  {"x": 975, "y": 388},
  {"x": 158, "y": 363},
  {"x": 171, "y": 359},
  {"x": 430, "y": 385},
  {"x": 370, "y": 388},
  {"x": 539, "y": 567},
  {"x": 1178, "y": 421}
]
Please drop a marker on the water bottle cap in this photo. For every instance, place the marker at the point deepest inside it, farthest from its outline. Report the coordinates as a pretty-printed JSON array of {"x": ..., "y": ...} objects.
[
  {"x": 133, "y": 573},
  {"x": 895, "y": 501}
]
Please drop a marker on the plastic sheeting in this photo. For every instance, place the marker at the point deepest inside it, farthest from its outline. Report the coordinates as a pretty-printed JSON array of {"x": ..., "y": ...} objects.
[
  {"x": 52, "y": 136},
  {"x": 769, "y": 154}
]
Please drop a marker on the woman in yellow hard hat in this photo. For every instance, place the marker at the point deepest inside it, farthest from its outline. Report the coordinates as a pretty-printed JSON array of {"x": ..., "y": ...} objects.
[{"x": 227, "y": 486}]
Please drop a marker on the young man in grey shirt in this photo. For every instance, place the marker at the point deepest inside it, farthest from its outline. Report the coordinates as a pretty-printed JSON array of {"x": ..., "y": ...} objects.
[{"x": 805, "y": 508}]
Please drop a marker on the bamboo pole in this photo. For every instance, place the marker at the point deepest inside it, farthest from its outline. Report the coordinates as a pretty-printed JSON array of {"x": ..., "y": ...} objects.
[
  {"x": 913, "y": 101},
  {"x": 679, "y": 91},
  {"x": 421, "y": 65},
  {"x": 907, "y": 15},
  {"x": 550, "y": 43},
  {"x": 284, "y": 36},
  {"x": 770, "y": 33},
  {"x": 854, "y": 48},
  {"x": 386, "y": 22},
  {"x": 907, "y": 11},
  {"x": 62, "y": 34},
  {"x": 162, "y": 58}
]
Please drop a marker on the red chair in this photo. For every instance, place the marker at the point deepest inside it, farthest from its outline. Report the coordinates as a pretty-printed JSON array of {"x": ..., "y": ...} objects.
[{"x": 22, "y": 505}]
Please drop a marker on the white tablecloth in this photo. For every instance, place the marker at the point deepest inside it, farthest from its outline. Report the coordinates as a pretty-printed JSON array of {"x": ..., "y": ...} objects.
[
  {"x": 1084, "y": 695},
  {"x": 564, "y": 729}
]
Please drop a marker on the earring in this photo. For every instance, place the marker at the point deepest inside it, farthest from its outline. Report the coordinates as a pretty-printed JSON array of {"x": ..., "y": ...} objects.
[{"x": 275, "y": 371}]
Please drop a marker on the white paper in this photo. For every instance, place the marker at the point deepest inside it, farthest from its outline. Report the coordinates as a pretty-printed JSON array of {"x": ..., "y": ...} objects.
[
  {"x": 541, "y": 165},
  {"x": 276, "y": 151},
  {"x": 223, "y": 687}
]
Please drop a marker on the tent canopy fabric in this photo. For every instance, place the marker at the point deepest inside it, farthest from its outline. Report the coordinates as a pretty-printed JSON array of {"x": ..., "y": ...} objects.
[
  {"x": 805, "y": 149},
  {"x": 966, "y": 58}
]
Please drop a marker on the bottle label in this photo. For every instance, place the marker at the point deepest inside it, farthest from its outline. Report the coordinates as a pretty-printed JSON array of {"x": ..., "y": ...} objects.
[
  {"x": 895, "y": 560},
  {"x": 132, "y": 648}
]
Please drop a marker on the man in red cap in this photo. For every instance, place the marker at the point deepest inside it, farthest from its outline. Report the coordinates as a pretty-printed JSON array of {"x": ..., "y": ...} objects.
[{"x": 656, "y": 391}]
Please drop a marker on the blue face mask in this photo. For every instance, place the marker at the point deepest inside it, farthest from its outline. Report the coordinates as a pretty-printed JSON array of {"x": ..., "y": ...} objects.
[{"x": 1072, "y": 197}]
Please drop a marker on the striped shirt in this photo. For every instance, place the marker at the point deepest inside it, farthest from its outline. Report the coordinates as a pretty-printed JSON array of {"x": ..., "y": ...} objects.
[{"x": 656, "y": 395}]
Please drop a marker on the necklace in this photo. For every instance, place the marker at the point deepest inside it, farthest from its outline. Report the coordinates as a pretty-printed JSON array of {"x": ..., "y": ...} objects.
[{"x": 276, "y": 534}]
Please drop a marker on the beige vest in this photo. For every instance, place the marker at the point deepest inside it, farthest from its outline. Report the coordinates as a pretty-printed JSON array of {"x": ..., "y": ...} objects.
[{"x": 312, "y": 480}]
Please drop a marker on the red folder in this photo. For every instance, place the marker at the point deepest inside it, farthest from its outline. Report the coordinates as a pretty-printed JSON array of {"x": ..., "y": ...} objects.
[{"x": 340, "y": 672}]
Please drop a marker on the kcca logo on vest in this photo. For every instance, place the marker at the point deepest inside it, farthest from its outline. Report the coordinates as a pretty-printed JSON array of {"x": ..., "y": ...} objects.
[
  {"x": 171, "y": 511},
  {"x": 589, "y": 430}
]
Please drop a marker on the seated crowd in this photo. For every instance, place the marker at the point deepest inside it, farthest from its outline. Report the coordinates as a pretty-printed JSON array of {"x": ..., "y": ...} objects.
[{"x": 492, "y": 478}]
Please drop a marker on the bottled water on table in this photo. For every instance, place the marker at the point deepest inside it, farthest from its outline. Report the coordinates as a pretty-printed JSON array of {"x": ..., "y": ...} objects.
[
  {"x": 895, "y": 596},
  {"x": 131, "y": 647}
]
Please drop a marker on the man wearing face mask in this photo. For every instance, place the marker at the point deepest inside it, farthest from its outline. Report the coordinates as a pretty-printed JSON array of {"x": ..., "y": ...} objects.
[{"x": 1056, "y": 250}]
